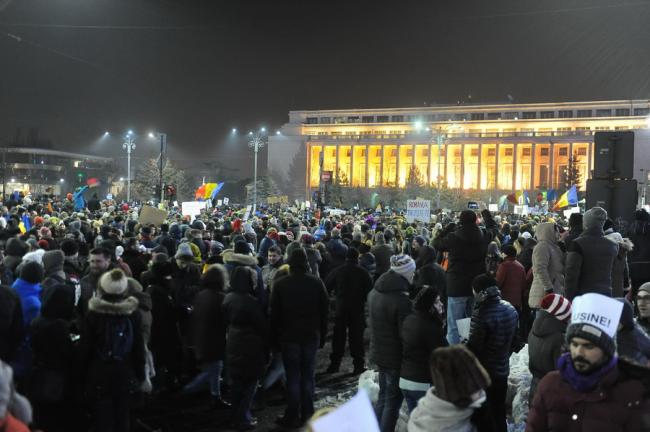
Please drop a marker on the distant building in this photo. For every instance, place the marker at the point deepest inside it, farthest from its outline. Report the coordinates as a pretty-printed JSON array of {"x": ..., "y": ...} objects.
[
  {"x": 502, "y": 147},
  {"x": 47, "y": 171}
]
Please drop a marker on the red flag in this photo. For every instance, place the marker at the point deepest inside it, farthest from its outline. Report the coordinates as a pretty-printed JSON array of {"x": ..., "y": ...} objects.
[{"x": 92, "y": 182}]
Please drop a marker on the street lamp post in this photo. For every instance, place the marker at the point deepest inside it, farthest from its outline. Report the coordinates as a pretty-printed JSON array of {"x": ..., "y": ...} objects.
[
  {"x": 129, "y": 146},
  {"x": 256, "y": 142}
]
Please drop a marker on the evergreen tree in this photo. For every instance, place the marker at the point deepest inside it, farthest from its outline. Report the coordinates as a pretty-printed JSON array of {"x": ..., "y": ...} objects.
[
  {"x": 144, "y": 186},
  {"x": 572, "y": 173}
]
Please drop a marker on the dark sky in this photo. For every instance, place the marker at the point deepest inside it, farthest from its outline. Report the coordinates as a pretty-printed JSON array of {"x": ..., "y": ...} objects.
[{"x": 195, "y": 69}]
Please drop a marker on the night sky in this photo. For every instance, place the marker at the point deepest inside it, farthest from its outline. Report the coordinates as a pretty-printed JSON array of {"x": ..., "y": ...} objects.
[{"x": 195, "y": 69}]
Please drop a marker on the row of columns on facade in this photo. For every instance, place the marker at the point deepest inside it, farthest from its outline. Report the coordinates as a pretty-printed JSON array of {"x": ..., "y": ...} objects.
[{"x": 462, "y": 163}]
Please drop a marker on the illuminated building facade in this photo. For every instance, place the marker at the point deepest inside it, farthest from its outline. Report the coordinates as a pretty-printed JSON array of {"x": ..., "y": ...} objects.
[{"x": 503, "y": 147}]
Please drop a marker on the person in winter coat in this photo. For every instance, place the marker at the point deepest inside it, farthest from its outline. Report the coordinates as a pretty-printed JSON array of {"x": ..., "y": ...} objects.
[
  {"x": 429, "y": 273},
  {"x": 466, "y": 248},
  {"x": 209, "y": 332},
  {"x": 525, "y": 255},
  {"x": 422, "y": 332},
  {"x": 112, "y": 352},
  {"x": 511, "y": 278},
  {"x": 350, "y": 284},
  {"x": 12, "y": 327},
  {"x": 575, "y": 230},
  {"x": 299, "y": 308},
  {"x": 590, "y": 260},
  {"x": 632, "y": 342},
  {"x": 336, "y": 248},
  {"x": 54, "y": 275},
  {"x": 620, "y": 270},
  {"x": 241, "y": 256},
  {"x": 269, "y": 240},
  {"x": 313, "y": 255},
  {"x": 459, "y": 384},
  {"x": 492, "y": 329},
  {"x": 99, "y": 263},
  {"x": 274, "y": 262},
  {"x": 50, "y": 383},
  {"x": 382, "y": 253},
  {"x": 388, "y": 306},
  {"x": 15, "y": 249},
  {"x": 15, "y": 409},
  {"x": 247, "y": 344},
  {"x": 592, "y": 390},
  {"x": 639, "y": 257},
  {"x": 134, "y": 258},
  {"x": 546, "y": 339},
  {"x": 28, "y": 288},
  {"x": 165, "y": 340},
  {"x": 548, "y": 265},
  {"x": 643, "y": 305}
]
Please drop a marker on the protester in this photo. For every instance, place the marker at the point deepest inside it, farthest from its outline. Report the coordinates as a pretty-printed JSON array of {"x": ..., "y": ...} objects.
[
  {"x": 621, "y": 283},
  {"x": 429, "y": 273},
  {"x": 511, "y": 278},
  {"x": 548, "y": 265},
  {"x": 382, "y": 253},
  {"x": 639, "y": 257},
  {"x": 388, "y": 306},
  {"x": 643, "y": 305},
  {"x": 422, "y": 332},
  {"x": 459, "y": 384},
  {"x": 632, "y": 343}
]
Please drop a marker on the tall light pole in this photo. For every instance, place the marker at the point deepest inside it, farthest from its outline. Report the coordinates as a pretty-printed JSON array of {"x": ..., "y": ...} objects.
[
  {"x": 256, "y": 141},
  {"x": 163, "y": 139},
  {"x": 128, "y": 145}
]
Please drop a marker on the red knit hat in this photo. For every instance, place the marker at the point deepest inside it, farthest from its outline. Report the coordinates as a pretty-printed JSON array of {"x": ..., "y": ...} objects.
[
  {"x": 557, "y": 305},
  {"x": 38, "y": 220}
]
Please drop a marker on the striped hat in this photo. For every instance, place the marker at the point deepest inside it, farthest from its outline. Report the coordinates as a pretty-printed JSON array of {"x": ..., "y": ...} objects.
[
  {"x": 403, "y": 265},
  {"x": 557, "y": 305}
]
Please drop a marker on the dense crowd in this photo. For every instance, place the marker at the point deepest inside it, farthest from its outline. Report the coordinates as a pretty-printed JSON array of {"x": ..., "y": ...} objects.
[{"x": 98, "y": 309}]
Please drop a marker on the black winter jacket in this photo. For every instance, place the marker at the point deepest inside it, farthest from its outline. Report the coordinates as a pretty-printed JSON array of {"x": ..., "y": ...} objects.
[
  {"x": 466, "y": 248},
  {"x": 421, "y": 334},
  {"x": 388, "y": 306},
  {"x": 208, "y": 325},
  {"x": 351, "y": 284},
  {"x": 12, "y": 329},
  {"x": 493, "y": 326},
  {"x": 545, "y": 343},
  {"x": 589, "y": 263}
]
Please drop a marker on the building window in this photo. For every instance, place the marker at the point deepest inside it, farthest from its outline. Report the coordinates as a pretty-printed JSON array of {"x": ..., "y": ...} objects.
[
  {"x": 507, "y": 152},
  {"x": 397, "y": 119},
  {"x": 325, "y": 120},
  {"x": 582, "y": 151},
  {"x": 312, "y": 120},
  {"x": 563, "y": 151},
  {"x": 393, "y": 153},
  {"x": 547, "y": 114},
  {"x": 603, "y": 113},
  {"x": 473, "y": 152},
  {"x": 339, "y": 120},
  {"x": 492, "y": 152},
  {"x": 543, "y": 151},
  {"x": 622, "y": 112},
  {"x": 641, "y": 111},
  {"x": 494, "y": 116},
  {"x": 353, "y": 119},
  {"x": 456, "y": 152},
  {"x": 565, "y": 114},
  {"x": 409, "y": 153},
  {"x": 585, "y": 113},
  {"x": 525, "y": 151},
  {"x": 529, "y": 115},
  {"x": 444, "y": 117},
  {"x": 460, "y": 117},
  {"x": 431, "y": 117},
  {"x": 382, "y": 119},
  {"x": 477, "y": 116},
  {"x": 511, "y": 115},
  {"x": 367, "y": 119}
]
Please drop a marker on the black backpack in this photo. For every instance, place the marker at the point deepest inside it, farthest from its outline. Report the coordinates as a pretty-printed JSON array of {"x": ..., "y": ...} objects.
[{"x": 118, "y": 340}]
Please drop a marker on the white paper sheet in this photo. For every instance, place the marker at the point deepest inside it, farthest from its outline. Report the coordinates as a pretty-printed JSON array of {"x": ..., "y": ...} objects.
[{"x": 353, "y": 416}]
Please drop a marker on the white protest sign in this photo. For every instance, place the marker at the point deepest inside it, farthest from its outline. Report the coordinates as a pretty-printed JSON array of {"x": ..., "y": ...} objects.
[
  {"x": 219, "y": 203},
  {"x": 568, "y": 212},
  {"x": 518, "y": 209},
  {"x": 192, "y": 208},
  {"x": 307, "y": 204},
  {"x": 418, "y": 210},
  {"x": 226, "y": 200},
  {"x": 598, "y": 311},
  {"x": 355, "y": 415},
  {"x": 463, "y": 326},
  {"x": 493, "y": 207}
]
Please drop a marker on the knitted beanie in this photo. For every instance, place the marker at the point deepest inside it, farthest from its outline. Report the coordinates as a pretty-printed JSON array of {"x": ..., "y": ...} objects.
[
  {"x": 594, "y": 217},
  {"x": 113, "y": 282},
  {"x": 53, "y": 261},
  {"x": 403, "y": 265},
  {"x": 457, "y": 374},
  {"x": 184, "y": 252},
  {"x": 557, "y": 305},
  {"x": 593, "y": 335},
  {"x": 645, "y": 288}
]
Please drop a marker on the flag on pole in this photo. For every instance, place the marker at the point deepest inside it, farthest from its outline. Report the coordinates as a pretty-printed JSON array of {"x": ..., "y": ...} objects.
[
  {"x": 568, "y": 198},
  {"x": 200, "y": 192},
  {"x": 92, "y": 182},
  {"x": 216, "y": 190},
  {"x": 209, "y": 187}
]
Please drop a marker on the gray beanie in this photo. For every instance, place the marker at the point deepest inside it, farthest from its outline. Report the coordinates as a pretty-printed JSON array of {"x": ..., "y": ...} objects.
[
  {"x": 53, "y": 261},
  {"x": 184, "y": 251},
  {"x": 594, "y": 217}
]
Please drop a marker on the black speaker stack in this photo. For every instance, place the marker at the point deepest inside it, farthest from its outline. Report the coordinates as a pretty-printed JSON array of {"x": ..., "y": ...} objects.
[{"x": 613, "y": 186}]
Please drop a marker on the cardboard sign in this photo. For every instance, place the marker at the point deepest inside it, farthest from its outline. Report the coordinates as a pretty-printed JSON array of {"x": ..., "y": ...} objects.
[
  {"x": 151, "y": 215},
  {"x": 226, "y": 200},
  {"x": 355, "y": 415},
  {"x": 493, "y": 207},
  {"x": 598, "y": 311},
  {"x": 418, "y": 210},
  {"x": 192, "y": 208}
]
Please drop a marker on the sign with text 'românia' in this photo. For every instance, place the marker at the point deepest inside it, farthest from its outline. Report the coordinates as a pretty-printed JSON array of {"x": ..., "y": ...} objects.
[{"x": 418, "y": 210}]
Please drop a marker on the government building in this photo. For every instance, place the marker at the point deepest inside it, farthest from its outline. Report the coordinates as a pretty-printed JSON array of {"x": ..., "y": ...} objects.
[{"x": 504, "y": 147}]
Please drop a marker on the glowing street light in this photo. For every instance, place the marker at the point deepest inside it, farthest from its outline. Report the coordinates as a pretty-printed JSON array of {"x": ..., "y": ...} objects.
[
  {"x": 233, "y": 131},
  {"x": 278, "y": 132},
  {"x": 129, "y": 146}
]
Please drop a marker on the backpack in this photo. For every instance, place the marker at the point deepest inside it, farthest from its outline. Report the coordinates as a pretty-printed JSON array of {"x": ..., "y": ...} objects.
[{"x": 118, "y": 340}]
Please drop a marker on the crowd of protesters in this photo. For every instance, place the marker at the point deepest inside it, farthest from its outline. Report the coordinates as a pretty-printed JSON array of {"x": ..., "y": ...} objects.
[{"x": 97, "y": 308}]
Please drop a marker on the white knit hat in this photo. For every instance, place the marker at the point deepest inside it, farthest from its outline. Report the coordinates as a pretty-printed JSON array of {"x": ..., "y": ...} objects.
[
  {"x": 403, "y": 265},
  {"x": 113, "y": 282}
]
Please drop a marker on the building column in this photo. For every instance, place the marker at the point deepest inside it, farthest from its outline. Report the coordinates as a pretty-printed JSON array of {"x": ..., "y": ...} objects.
[
  {"x": 413, "y": 159},
  {"x": 496, "y": 166},
  {"x": 514, "y": 166},
  {"x": 351, "y": 176},
  {"x": 480, "y": 162},
  {"x": 589, "y": 158},
  {"x": 429, "y": 165},
  {"x": 381, "y": 165},
  {"x": 397, "y": 166},
  {"x": 308, "y": 188},
  {"x": 532, "y": 166},
  {"x": 551, "y": 171},
  {"x": 336, "y": 168},
  {"x": 462, "y": 166}
]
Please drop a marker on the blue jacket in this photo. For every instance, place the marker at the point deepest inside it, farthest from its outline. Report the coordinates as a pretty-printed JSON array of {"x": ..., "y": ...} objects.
[
  {"x": 30, "y": 299},
  {"x": 78, "y": 197},
  {"x": 492, "y": 329}
]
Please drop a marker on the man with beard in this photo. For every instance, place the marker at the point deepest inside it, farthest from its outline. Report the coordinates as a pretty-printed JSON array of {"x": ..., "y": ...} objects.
[
  {"x": 98, "y": 263},
  {"x": 592, "y": 390}
]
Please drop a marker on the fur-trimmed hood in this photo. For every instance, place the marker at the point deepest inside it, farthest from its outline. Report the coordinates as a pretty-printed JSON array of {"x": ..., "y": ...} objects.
[
  {"x": 123, "y": 307},
  {"x": 230, "y": 257},
  {"x": 623, "y": 243}
]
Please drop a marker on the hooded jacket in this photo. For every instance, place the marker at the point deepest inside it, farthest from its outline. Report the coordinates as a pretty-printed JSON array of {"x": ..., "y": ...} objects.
[
  {"x": 388, "y": 306},
  {"x": 30, "y": 299},
  {"x": 436, "y": 415},
  {"x": 233, "y": 260},
  {"x": 632, "y": 342},
  {"x": 545, "y": 342},
  {"x": 620, "y": 269},
  {"x": 548, "y": 265}
]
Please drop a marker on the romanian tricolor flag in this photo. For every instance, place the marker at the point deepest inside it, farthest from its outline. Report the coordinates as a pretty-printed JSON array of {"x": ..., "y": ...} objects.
[
  {"x": 209, "y": 187},
  {"x": 200, "y": 192},
  {"x": 92, "y": 182},
  {"x": 568, "y": 198},
  {"x": 216, "y": 190}
]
